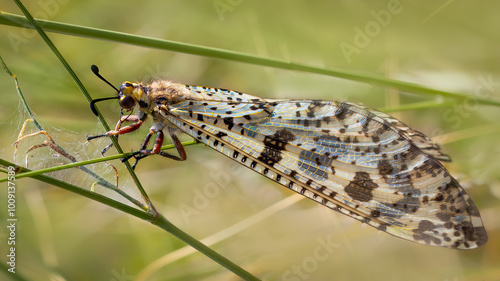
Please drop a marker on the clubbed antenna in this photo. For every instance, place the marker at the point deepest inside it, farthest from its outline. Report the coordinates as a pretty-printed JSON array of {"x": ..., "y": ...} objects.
[{"x": 95, "y": 70}]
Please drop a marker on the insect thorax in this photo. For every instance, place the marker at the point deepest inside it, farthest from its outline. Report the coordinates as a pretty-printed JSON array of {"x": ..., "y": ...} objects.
[{"x": 164, "y": 92}]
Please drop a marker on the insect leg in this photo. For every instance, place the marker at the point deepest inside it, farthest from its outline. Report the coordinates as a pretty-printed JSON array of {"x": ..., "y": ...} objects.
[
  {"x": 131, "y": 118},
  {"x": 21, "y": 137},
  {"x": 53, "y": 146},
  {"x": 180, "y": 149},
  {"x": 120, "y": 131},
  {"x": 143, "y": 148},
  {"x": 157, "y": 148}
]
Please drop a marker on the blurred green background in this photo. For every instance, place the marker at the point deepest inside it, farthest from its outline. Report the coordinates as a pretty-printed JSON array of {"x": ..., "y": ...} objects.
[{"x": 448, "y": 45}]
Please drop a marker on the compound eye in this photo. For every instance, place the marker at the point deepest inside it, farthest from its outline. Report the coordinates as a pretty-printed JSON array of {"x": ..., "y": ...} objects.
[
  {"x": 127, "y": 102},
  {"x": 126, "y": 88}
]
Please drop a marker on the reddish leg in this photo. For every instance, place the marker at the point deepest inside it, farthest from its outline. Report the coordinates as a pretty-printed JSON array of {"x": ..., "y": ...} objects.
[
  {"x": 119, "y": 130},
  {"x": 143, "y": 152}
]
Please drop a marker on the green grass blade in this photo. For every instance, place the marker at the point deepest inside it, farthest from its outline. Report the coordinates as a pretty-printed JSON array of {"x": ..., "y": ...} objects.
[
  {"x": 83, "y": 163},
  {"x": 152, "y": 216},
  {"x": 20, "y": 94},
  {"x": 84, "y": 91},
  {"x": 174, "y": 230},
  {"x": 159, "y": 220},
  {"x": 83, "y": 192},
  {"x": 416, "y": 105},
  {"x": 100, "y": 180},
  {"x": 76, "y": 30}
]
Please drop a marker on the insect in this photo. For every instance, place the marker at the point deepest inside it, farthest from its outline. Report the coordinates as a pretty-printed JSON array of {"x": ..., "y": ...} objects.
[{"x": 348, "y": 157}]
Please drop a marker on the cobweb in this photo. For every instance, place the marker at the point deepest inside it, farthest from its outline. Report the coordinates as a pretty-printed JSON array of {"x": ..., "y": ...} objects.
[{"x": 34, "y": 153}]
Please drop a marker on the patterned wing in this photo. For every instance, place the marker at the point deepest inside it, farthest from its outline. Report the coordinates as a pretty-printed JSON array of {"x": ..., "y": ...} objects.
[{"x": 350, "y": 158}]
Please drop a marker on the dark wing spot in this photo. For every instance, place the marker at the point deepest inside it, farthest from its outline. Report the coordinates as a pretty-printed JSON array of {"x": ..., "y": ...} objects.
[
  {"x": 229, "y": 121},
  {"x": 361, "y": 187},
  {"x": 220, "y": 135},
  {"x": 426, "y": 226},
  {"x": 385, "y": 168},
  {"x": 310, "y": 112},
  {"x": 342, "y": 111},
  {"x": 375, "y": 213},
  {"x": 279, "y": 139},
  {"x": 270, "y": 156}
]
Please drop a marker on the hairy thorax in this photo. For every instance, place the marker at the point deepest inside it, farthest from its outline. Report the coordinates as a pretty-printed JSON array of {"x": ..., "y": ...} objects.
[{"x": 164, "y": 92}]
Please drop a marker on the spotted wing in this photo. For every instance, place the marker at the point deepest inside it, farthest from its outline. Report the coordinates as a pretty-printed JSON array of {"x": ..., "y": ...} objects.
[{"x": 350, "y": 158}]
